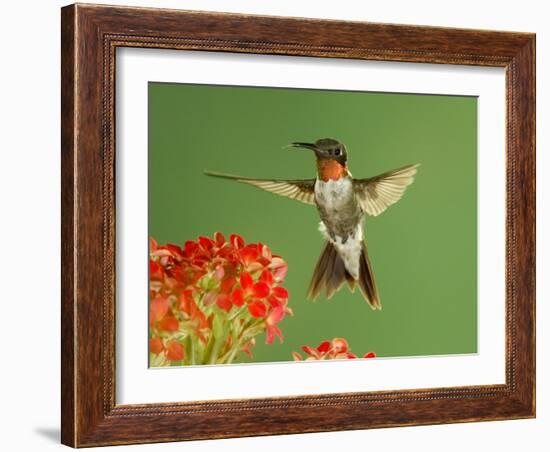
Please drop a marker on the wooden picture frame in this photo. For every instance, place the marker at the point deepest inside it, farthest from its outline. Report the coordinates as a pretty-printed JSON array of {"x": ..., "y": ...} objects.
[{"x": 90, "y": 36}]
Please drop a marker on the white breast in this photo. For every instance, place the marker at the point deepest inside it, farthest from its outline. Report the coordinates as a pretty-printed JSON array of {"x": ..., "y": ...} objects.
[{"x": 331, "y": 196}]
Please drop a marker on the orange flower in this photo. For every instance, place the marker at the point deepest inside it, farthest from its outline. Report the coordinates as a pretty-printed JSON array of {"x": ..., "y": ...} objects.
[
  {"x": 337, "y": 348},
  {"x": 275, "y": 316},
  {"x": 168, "y": 323},
  {"x": 213, "y": 281},
  {"x": 174, "y": 351},
  {"x": 159, "y": 308},
  {"x": 156, "y": 346}
]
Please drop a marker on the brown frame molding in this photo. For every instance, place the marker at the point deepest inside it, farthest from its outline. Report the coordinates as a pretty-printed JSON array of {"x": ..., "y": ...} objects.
[{"x": 90, "y": 35}]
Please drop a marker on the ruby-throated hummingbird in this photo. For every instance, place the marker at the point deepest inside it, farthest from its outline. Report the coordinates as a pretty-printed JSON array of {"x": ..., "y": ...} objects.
[{"x": 342, "y": 202}]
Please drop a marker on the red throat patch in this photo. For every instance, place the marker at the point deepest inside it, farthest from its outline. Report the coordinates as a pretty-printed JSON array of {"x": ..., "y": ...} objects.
[{"x": 329, "y": 169}]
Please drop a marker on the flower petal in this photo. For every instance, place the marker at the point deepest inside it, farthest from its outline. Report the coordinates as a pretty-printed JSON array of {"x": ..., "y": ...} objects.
[
  {"x": 175, "y": 250},
  {"x": 236, "y": 241},
  {"x": 169, "y": 323},
  {"x": 248, "y": 255},
  {"x": 323, "y": 347},
  {"x": 247, "y": 283},
  {"x": 280, "y": 292},
  {"x": 248, "y": 346},
  {"x": 277, "y": 262},
  {"x": 313, "y": 353},
  {"x": 174, "y": 351},
  {"x": 190, "y": 248},
  {"x": 271, "y": 332},
  {"x": 206, "y": 242},
  {"x": 274, "y": 302},
  {"x": 279, "y": 267},
  {"x": 257, "y": 309},
  {"x": 253, "y": 267},
  {"x": 187, "y": 303},
  {"x": 339, "y": 345},
  {"x": 369, "y": 355},
  {"x": 209, "y": 298},
  {"x": 155, "y": 345},
  {"x": 266, "y": 252},
  {"x": 276, "y": 315},
  {"x": 219, "y": 273},
  {"x": 219, "y": 238},
  {"x": 155, "y": 270},
  {"x": 238, "y": 297},
  {"x": 224, "y": 302},
  {"x": 159, "y": 308},
  {"x": 153, "y": 245},
  {"x": 267, "y": 277},
  {"x": 261, "y": 290},
  {"x": 227, "y": 284}
]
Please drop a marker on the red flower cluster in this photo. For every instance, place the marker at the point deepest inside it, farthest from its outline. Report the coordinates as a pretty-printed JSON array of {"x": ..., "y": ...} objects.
[
  {"x": 336, "y": 349},
  {"x": 220, "y": 292}
]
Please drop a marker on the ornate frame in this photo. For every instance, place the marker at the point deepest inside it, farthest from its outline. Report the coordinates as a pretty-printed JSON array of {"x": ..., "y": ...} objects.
[{"x": 90, "y": 36}]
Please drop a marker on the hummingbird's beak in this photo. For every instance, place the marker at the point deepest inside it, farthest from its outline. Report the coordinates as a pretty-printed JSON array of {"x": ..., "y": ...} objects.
[{"x": 310, "y": 146}]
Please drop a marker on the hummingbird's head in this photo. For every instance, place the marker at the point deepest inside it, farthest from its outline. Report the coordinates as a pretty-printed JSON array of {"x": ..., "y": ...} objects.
[
  {"x": 326, "y": 149},
  {"x": 332, "y": 157}
]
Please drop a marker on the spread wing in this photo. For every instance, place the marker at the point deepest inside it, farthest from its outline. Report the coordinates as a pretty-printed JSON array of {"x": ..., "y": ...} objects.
[
  {"x": 300, "y": 190},
  {"x": 377, "y": 193}
]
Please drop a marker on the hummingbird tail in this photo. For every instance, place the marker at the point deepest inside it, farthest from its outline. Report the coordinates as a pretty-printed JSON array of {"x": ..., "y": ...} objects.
[
  {"x": 330, "y": 274},
  {"x": 366, "y": 280}
]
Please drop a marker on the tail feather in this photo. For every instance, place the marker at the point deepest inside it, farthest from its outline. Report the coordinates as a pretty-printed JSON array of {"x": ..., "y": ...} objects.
[
  {"x": 318, "y": 279},
  {"x": 336, "y": 274},
  {"x": 366, "y": 280},
  {"x": 330, "y": 274}
]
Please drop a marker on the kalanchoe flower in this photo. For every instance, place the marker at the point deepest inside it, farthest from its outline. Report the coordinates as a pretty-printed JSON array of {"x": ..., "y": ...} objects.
[
  {"x": 337, "y": 348},
  {"x": 174, "y": 351},
  {"x": 209, "y": 299},
  {"x": 156, "y": 346}
]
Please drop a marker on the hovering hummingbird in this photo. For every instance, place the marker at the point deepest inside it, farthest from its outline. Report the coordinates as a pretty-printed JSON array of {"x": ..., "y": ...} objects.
[{"x": 342, "y": 202}]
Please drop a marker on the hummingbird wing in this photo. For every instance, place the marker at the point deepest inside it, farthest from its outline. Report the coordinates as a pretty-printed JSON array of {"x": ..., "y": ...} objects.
[
  {"x": 300, "y": 190},
  {"x": 377, "y": 193}
]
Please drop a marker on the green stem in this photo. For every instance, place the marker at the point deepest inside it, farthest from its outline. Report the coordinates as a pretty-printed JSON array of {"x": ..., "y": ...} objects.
[
  {"x": 208, "y": 350},
  {"x": 233, "y": 353},
  {"x": 218, "y": 342},
  {"x": 191, "y": 350},
  {"x": 237, "y": 312}
]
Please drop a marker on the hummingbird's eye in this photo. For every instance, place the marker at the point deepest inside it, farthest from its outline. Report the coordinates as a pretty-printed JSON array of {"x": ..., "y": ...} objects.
[{"x": 337, "y": 152}]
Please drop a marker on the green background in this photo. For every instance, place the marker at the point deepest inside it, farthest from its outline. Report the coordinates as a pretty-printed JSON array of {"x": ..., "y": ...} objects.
[{"x": 423, "y": 249}]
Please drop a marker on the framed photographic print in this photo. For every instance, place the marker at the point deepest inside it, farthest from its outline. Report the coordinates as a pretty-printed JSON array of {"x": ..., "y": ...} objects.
[{"x": 281, "y": 225}]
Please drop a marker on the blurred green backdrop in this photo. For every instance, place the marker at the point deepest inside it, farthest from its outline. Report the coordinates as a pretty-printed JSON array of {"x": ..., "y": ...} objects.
[{"x": 423, "y": 249}]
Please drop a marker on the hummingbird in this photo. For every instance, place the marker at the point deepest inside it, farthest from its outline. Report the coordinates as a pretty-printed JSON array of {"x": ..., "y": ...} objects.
[{"x": 342, "y": 202}]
